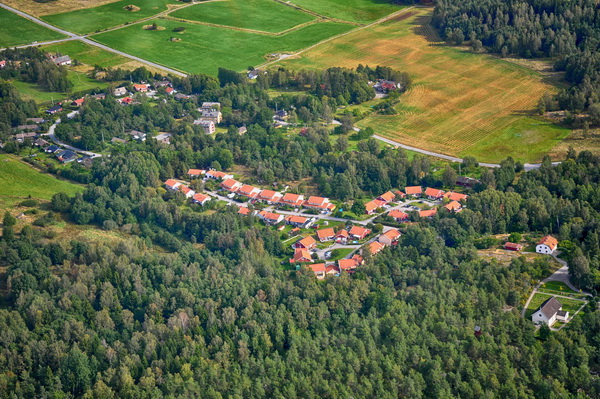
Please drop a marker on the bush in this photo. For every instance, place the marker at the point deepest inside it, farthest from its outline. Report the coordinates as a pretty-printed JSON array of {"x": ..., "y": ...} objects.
[
  {"x": 30, "y": 203},
  {"x": 179, "y": 29}
]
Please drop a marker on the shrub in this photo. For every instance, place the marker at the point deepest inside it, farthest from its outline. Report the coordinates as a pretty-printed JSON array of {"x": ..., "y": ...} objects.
[{"x": 30, "y": 203}]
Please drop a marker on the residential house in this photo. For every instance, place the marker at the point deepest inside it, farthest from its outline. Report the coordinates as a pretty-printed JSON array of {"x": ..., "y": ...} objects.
[
  {"x": 466, "y": 181},
  {"x": 192, "y": 173},
  {"x": 181, "y": 96},
  {"x": 36, "y": 120},
  {"x": 342, "y": 237},
  {"x": 511, "y": 246},
  {"x": 375, "y": 247},
  {"x": 428, "y": 213},
  {"x": 54, "y": 109},
  {"x": 217, "y": 175},
  {"x": 2, "y": 64},
  {"x": 21, "y": 137},
  {"x": 453, "y": 206},
  {"x": 294, "y": 200},
  {"x": 67, "y": 156},
  {"x": 79, "y": 102},
  {"x": 452, "y": 196},
  {"x": 120, "y": 91},
  {"x": 40, "y": 142},
  {"x": 172, "y": 184},
  {"x": 164, "y": 138},
  {"x": 398, "y": 215},
  {"x": 269, "y": 196},
  {"x": 270, "y": 217},
  {"x": 350, "y": 265},
  {"x": 549, "y": 312},
  {"x": 332, "y": 270},
  {"x": 547, "y": 245},
  {"x": 298, "y": 221},
  {"x": 161, "y": 83},
  {"x": 125, "y": 100},
  {"x": 209, "y": 106},
  {"x": 116, "y": 140},
  {"x": 207, "y": 125},
  {"x": 390, "y": 237},
  {"x": 244, "y": 210},
  {"x": 242, "y": 130},
  {"x": 307, "y": 243},
  {"x": 387, "y": 197},
  {"x": 358, "y": 232},
  {"x": 301, "y": 255},
  {"x": 212, "y": 115},
  {"x": 319, "y": 203},
  {"x": 400, "y": 194},
  {"x": 318, "y": 269},
  {"x": 325, "y": 235},
  {"x": 249, "y": 191},
  {"x": 372, "y": 206},
  {"x": 62, "y": 60},
  {"x": 281, "y": 115},
  {"x": 28, "y": 127},
  {"x": 201, "y": 199},
  {"x": 231, "y": 185},
  {"x": 141, "y": 87},
  {"x": 434, "y": 193},
  {"x": 52, "y": 149},
  {"x": 188, "y": 192},
  {"x": 137, "y": 135},
  {"x": 414, "y": 191},
  {"x": 170, "y": 91},
  {"x": 99, "y": 96}
]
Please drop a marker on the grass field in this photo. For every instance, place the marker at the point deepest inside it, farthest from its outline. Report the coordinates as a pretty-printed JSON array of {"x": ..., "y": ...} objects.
[
  {"x": 203, "y": 49},
  {"x": 87, "y": 54},
  {"x": 108, "y": 15},
  {"x": 15, "y": 30},
  {"x": 35, "y": 8},
  {"x": 360, "y": 11},
  {"x": 570, "y": 305},
  {"x": 18, "y": 180},
  {"x": 460, "y": 104},
  {"x": 262, "y": 15}
]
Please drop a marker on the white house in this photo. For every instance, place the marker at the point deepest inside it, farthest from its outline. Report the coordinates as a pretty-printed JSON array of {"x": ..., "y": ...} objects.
[
  {"x": 547, "y": 245},
  {"x": 549, "y": 312}
]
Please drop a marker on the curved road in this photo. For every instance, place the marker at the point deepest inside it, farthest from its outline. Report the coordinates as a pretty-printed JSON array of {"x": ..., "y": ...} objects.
[{"x": 65, "y": 145}]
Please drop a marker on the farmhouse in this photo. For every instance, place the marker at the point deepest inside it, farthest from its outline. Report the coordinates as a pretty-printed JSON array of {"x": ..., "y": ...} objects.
[
  {"x": 217, "y": 175},
  {"x": 372, "y": 206},
  {"x": 387, "y": 197},
  {"x": 547, "y": 245},
  {"x": 307, "y": 243},
  {"x": 292, "y": 199},
  {"x": 511, "y": 246},
  {"x": 120, "y": 91},
  {"x": 231, "y": 185},
  {"x": 195, "y": 172},
  {"x": 414, "y": 191},
  {"x": 318, "y": 269},
  {"x": 53, "y": 110},
  {"x": 359, "y": 233},
  {"x": 62, "y": 60},
  {"x": 390, "y": 237},
  {"x": 270, "y": 217},
  {"x": 549, "y": 313},
  {"x": 453, "y": 206},
  {"x": 206, "y": 125},
  {"x": 319, "y": 203},
  {"x": 398, "y": 215},
  {"x": 433, "y": 193},
  {"x": 375, "y": 247},
  {"x": 172, "y": 184},
  {"x": 200, "y": 199},
  {"x": 298, "y": 221},
  {"x": 301, "y": 256},
  {"x": 269, "y": 196},
  {"x": 249, "y": 191},
  {"x": 326, "y": 234},
  {"x": 428, "y": 213}
]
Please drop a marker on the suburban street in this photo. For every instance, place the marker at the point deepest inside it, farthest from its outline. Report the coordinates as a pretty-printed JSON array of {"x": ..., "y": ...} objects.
[{"x": 53, "y": 137}]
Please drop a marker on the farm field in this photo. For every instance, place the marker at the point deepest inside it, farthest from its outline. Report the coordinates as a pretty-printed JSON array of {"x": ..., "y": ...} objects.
[
  {"x": 81, "y": 82},
  {"x": 460, "y": 104},
  {"x": 18, "y": 180},
  {"x": 108, "y": 15},
  {"x": 361, "y": 11},
  {"x": 15, "y": 30},
  {"x": 262, "y": 15},
  {"x": 37, "y": 9},
  {"x": 194, "y": 53},
  {"x": 87, "y": 54}
]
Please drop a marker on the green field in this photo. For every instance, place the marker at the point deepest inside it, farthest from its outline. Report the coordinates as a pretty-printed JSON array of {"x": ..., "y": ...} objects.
[
  {"x": 15, "y": 30},
  {"x": 87, "y": 54},
  {"x": 18, "y": 180},
  {"x": 262, "y": 15},
  {"x": 361, "y": 11},
  {"x": 107, "y": 16},
  {"x": 203, "y": 49},
  {"x": 570, "y": 305}
]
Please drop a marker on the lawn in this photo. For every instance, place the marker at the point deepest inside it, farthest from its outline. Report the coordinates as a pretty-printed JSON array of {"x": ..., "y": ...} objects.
[
  {"x": 570, "y": 305},
  {"x": 461, "y": 103},
  {"x": 361, "y": 11},
  {"x": 16, "y": 30},
  {"x": 109, "y": 15},
  {"x": 195, "y": 54},
  {"x": 87, "y": 54},
  {"x": 18, "y": 180},
  {"x": 262, "y": 15}
]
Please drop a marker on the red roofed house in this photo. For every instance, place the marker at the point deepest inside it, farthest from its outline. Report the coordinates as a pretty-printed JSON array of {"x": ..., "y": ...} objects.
[
  {"x": 372, "y": 206},
  {"x": 400, "y": 194},
  {"x": 342, "y": 236},
  {"x": 375, "y": 247},
  {"x": 332, "y": 270},
  {"x": 125, "y": 100},
  {"x": 188, "y": 192},
  {"x": 306, "y": 243},
  {"x": 452, "y": 196},
  {"x": 387, "y": 197},
  {"x": 511, "y": 246},
  {"x": 301, "y": 256},
  {"x": 298, "y": 221},
  {"x": 172, "y": 184},
  {"x": 249, "y": 191},
  {"x": 428, "y": 214},
  {"x": 349, "y": 265},
  {"x": 326, "y": 234},
  {"x": 231, "y": 185},
  {"x": 78, "y": 102},
  {"x": 414, "y": 191},
  {"x": 269, "y": 196},
  {"x": 217, "y": 175},
  {"x": 196, "y": 172},
  {"x": 453, "y": 206},
  {"x": 292, "y": 199},
  {"x": 170, "y": 90},
  {"x": 390, "y": 237},
  {"x": 2, "y": 64},
  {"x": 244, "y": 210},
  {"x": 318, "y": 269},
  {"x": 547, "y": 245},
  {"x": 320, "y": 203},
  {"x": 434, "y": 193},
  {"x": 200, "y": 199},
  {"x": 140, "y": 88},
  {"x": 398, "y": 215},
  {"x": 270, "y": 217},
  {"x": 359, "y": 233}
]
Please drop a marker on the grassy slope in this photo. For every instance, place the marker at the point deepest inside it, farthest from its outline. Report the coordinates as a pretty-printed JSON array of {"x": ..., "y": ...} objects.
[
  {"x": 15, "y": 30},
  {"x": 226, "y": 48},
  {"x": 87, "y": 54},
  {"x": 108, "y": 15},
  {"x": 18, "y": 180},
  {"x": 81, "y": 81},
  {"x": 361, "y": 11},
  {"x": 460, "y": 104},
  {"x": 263, "y": 15}
]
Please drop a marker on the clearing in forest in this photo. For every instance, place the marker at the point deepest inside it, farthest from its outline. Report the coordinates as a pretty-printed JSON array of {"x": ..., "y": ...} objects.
[{"x": 461, "y": 103}]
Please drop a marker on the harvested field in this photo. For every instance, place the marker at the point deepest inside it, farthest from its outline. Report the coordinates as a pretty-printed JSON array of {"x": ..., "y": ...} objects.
[
  {"x": 460, "y": 104},
  {"x": 37, "y": 9}
]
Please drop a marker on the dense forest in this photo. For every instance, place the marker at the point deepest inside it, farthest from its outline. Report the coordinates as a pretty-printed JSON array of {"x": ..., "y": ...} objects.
[{"x": 568, "y": 31}]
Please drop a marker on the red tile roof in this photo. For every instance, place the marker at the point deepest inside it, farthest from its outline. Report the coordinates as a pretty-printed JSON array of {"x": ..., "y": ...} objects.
[
  {"x": 387, "y": 197},
  {"x": 434, "y": 192},
  {"x": 268, "y": 195},
  {"x": 347, "y": 264},
  {"x": 392, "y": 234},
  {"x": 452, "y": 196},
  {"x": 307, "y": 242},
  {"x": 550, "y": 241},
  {"x": 231, "y": 185},
  {"x": 412, "y": 190},
  {"x": 196, "y": 172},
  {"x": 171, "y": 183},
  {"x": 296, "y": 219},
  {"x": 358, "y": 231},
  {"x": 326, "y": 234},
  {"x": 292, "y": 199},
  {"x": 317, "y": 267},
  {"x": 428, "y": 214},
  {"x": 373, "y": 205},
  {"x": 200, "y": 197},
  {"x": 453, "y": 206},
  {"x": 249, "y": 191},
  {"x": 375, "y": 247},
  {"x": 398, "y": 214},
  {"x": 301, "y": 255},
  {"x": 185, "y": 189},
  {"x": 244, "y": 210},
  {"x": 512, "y": 246}
]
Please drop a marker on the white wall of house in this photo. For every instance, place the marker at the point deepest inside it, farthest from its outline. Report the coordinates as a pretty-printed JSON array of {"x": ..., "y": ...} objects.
[
  {"x": 539, "y": 318},
  {"x": 543, "y": 249}
]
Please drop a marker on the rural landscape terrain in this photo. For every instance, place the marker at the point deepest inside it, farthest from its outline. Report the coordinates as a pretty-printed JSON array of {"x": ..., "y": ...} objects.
[{"x": 303, "y": 198}]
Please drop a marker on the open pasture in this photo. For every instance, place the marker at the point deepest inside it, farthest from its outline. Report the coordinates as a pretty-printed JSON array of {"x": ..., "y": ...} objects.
[
  {"x": 261, "y": 15},
  {"x": 360, "y": 11},
  {"x": 87, "y": 54},
  {"x": 108, "y": 15},
  {"x": 16, "y": 30},
  {"x": 203, "y": 48},
  {"x": 461, "y": 103}
]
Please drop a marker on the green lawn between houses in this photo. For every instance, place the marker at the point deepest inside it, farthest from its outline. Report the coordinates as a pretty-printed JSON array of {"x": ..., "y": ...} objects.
[
  {"x": 262, "y": 15},
  {"x": 16, "y": 30}
]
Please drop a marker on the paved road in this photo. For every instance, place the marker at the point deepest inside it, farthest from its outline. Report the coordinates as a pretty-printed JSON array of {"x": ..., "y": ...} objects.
[{"x": 53, "y": 137}]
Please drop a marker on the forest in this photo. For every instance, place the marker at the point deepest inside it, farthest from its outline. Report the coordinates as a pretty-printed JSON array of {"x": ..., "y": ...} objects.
[{"x": 566, "y": 31}]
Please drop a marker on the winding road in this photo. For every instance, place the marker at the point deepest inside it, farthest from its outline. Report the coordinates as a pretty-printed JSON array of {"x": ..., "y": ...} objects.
[{"x": 53, "y": 137}]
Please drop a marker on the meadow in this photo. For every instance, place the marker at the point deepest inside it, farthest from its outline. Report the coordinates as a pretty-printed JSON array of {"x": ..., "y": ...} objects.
[
  {"x": 203, "y": 48},
  {"x": 108, "y": 15},
  {"x": 261, "y": 15},
  {"x": 19, "y": 180},
  {"x": 360, "y": 11},
  {"x": 461, "y": 103},
  {"x": 570, "y": 305},
  {"x": 15, "y": 30},
  {"x": 81, "y": 82},
  {"x": 87, "y": 54}
]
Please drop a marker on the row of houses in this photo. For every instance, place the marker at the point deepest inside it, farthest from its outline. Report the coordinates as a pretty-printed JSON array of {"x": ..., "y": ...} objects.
[{"x": 197, "y": 198}]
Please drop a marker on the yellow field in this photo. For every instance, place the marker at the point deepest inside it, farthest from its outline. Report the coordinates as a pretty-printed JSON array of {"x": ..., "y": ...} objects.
[
  {"x": 461, "y": 103},
  {"x": 52, "y": 7}
]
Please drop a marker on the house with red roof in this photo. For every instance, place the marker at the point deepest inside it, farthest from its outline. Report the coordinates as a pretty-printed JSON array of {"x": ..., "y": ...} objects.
[
  {"x": 269, "y": 196},
  {"x": 301, "y": 255},
  {"x": 231, "y": 185},
  {"x": 294, "y": 200},
  {"x": 270, "y": 217},
  {"x": 218, "y": 175},
  {"x": 170, "y": 90},
  {"x": 188, "y": 192},
  {"x": 244, "y": 210},
  {"x": 319, "y": 203},
  {"x": 375, "y": 247},
  {"x": 511, "y": 246},
  {"x": 358, "y": 232},
  {"x": 434, "y": 193},
  {"x": 452, "y": 196},
  {"x": 200, "y": 199},
  {"x": 342, "y": 236},
  {"x": 398, "y": 215},
  {"x": 547, "y": 245},
  {"x": 249, "y": 191},
  {"x": 428, "y": 213},
  {"x": 196, "y": 172},
  {"x": 298, "y": 221},
  {"x": 413, "y": 191},
  {"x": 400, "y": 194},
  {"x": 325, "y": 235},
  {"x": 387, "y": 197},
  {"x": 372, "y": 206},
  {"x": 307, "y": 243},
  {"x": 390, "y": 237},
  {"x": 453, "y": 206},
  {"x": 332, "y": 270},
  {"x": 79, "y": 102},
  {"x": 2, "y": 64},
  {"x": 172, "y": 184},
  {"x": 125, "y": 100},
  {"x": 350, "y": 265},
  {"x": 141, "y": 87},
  {"x": 318, "y": 269}
]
